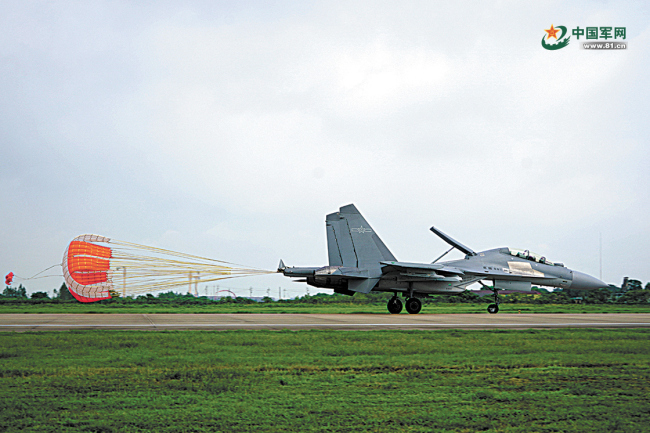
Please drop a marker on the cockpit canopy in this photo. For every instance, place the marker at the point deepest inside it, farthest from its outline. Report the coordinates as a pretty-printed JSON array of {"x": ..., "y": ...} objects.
[{"x": 525, "y": 254}]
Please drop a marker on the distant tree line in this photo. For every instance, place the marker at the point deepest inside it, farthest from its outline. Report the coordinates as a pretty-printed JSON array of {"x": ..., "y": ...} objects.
[
  {"x": 630, "y": 292},
  {"x": 19, "y": 294}
]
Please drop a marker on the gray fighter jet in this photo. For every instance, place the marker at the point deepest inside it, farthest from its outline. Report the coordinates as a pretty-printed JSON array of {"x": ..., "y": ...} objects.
[{"x": 359, "y": 262}]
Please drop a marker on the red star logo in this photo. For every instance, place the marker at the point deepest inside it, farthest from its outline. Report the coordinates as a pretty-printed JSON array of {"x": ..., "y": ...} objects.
[{"x": 552, "y": 32}]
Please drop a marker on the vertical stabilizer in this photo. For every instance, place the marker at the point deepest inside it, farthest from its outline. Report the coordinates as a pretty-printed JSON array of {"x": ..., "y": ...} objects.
[{"x": 351, "y": 242}]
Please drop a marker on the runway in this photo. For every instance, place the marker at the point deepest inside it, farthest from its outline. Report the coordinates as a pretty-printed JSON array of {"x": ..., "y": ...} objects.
[{"x": 63, "y": 322}]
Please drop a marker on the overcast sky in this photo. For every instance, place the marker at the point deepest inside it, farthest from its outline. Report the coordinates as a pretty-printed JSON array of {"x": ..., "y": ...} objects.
[{"x": 230, "y": 129}]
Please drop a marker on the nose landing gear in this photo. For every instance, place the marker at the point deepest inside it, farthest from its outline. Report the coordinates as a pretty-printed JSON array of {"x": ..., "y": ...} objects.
[{"x": 494, "y": 308}]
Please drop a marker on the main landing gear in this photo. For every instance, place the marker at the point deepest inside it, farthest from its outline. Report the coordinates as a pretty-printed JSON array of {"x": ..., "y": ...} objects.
[
  {"x": 413, "y": 305},
  {"x": 494, "y": 308},
  {"x": 394, "y": 305}
]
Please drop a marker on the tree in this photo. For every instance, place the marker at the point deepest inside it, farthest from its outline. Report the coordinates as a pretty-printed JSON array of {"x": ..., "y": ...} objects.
[
  {"x": 10, "y": 292},
  {"x": 599, "y": 296},
  {"x": 634, "y": 285},
  {"x": 40, "y": 295},
  {"x": 635, "y": 297},
  {"x": 64, "y": 293},
  {"x": 468, "y": 297}
]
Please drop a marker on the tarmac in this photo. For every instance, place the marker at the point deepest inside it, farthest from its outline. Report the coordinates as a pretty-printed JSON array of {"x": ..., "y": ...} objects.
[{"x": 65, "y": 322}]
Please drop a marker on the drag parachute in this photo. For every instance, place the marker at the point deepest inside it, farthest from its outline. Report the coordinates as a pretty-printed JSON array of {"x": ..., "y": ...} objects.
[{"x": 94, "y": 266}]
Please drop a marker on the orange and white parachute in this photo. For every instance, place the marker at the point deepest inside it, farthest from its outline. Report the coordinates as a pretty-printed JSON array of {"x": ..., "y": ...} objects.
[{"x": 94, "y": 266}]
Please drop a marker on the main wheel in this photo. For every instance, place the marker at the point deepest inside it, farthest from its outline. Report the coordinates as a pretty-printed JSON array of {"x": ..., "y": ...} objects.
[
  {"x": 413, "y": 305},
  {"x": 493, "y": 308},
  {"x": 394, "y": 305}
]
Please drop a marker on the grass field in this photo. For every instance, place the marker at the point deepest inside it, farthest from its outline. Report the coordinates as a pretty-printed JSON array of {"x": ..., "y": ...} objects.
[
  {"x": 382, "y": 381},
  {"x": 337, "y": 308}
]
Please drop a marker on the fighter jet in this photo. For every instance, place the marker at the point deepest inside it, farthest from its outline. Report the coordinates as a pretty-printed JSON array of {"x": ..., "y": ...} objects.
[{"x": 359, "y": 262}]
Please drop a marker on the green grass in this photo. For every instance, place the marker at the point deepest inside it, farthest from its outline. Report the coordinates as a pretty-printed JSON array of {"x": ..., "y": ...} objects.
[
  {"x": 334, "y": 308},
  {"x": 344, "y": 381}
]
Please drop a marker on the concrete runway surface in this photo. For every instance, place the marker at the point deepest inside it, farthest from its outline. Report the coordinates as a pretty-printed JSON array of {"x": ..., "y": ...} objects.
[{"x": 62, "y": 322}]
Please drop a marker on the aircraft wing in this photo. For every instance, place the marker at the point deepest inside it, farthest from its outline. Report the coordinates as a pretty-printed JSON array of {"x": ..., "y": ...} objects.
[
  {"x": 425, "y": 267},
  {"x": 422, "y": 271}
]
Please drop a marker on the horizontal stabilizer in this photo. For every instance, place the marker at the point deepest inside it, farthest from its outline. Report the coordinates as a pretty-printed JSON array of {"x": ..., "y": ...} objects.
[
  {"x": 454, "y": 243},
  {"x": 343, "y": 272}
]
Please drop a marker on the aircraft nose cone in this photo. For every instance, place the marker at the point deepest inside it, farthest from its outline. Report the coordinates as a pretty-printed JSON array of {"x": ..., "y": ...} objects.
[{"x": 585, "y": 282}]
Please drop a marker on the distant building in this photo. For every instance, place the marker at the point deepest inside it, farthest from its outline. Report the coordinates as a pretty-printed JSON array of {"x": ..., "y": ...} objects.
[{"x": 630, "y": 284}]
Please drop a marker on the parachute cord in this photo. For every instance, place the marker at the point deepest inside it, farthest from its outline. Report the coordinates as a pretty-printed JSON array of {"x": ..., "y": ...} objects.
[
  {"x": 38, "y": 278},
  {"x": 34, "y": 276},
  {"x": 94, "y": 271}
]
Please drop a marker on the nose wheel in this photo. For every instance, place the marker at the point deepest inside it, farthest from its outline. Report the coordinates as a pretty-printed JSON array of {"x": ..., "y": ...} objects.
[
  {"x": 494, "y": 308},
  {"x": 394, "y": 305}
]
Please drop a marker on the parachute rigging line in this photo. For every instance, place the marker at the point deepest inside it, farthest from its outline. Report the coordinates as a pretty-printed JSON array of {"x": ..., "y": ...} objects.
[
  {"x": 94, "y": 266},
  {"x": 9, "y": 278}
]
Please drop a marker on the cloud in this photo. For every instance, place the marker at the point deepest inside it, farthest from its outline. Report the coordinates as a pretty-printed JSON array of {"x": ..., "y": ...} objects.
[{"x": 230, "y": 130}]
